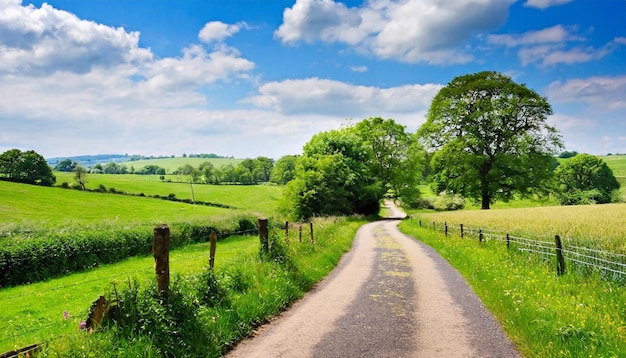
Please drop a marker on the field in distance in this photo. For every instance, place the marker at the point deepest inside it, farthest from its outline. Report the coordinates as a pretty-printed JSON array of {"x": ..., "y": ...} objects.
[{"x": 171, "y": 164}]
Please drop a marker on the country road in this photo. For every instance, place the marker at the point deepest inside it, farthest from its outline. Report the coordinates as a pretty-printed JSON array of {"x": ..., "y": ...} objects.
[{"x": 390, "y": 296}]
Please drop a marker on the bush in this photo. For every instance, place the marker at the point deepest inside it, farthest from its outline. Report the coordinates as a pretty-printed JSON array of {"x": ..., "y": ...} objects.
[{"x": 448, "y": 202}]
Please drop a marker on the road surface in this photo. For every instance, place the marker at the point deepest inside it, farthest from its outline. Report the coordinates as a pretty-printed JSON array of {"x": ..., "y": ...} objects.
[{"x": 390, "y": 296}]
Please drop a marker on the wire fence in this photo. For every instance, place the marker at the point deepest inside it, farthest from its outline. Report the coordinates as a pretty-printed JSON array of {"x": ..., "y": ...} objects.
[{"x": 582, "y": 259}]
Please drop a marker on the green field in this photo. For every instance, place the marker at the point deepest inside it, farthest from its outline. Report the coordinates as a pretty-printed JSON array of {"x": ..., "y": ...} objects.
[
  {"x": 259, "y": 198},
  {"x": 171, "y": 164},
  {"x": 44, "y": 206}
]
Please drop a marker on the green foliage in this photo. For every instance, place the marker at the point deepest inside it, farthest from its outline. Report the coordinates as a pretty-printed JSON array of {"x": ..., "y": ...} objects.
[
  {"x": 566, "y": 154},
  {"x": 586, "y": 179},
  {"x": 284, "y": 170},
  {"x": 25, "y": 167},
  {"x": 492, "y": 138},
  {"x": 448, "y": 202}
]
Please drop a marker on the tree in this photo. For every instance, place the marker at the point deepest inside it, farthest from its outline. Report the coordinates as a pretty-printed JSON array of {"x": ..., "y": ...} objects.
[
  {"x": 284, "y": 170},
  {"x": 26, "y": 167},
  {"x": 80, "y": 175},
  {"x": 66, "y": 165},
  {"x": 585, "y": 179},
  {"x": 333, "y": 178},
  {"x": 263, "y": 168},
  {"x": 397, "y": 158},
  {"x": 491, "y": 137}
]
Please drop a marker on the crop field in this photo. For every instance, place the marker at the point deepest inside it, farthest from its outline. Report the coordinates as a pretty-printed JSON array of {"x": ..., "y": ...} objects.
[
  {"x": 171, "y": 164},
  {"x": 595, "y": 226},
  {"x": 259, "y": 198}
]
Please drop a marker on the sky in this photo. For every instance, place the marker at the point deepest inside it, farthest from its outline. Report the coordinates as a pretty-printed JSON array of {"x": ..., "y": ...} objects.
[{"x": 248, "y": 78}]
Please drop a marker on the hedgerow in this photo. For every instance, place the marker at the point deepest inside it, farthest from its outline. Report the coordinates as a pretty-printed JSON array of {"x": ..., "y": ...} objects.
[{"x": 35, "y": 255}]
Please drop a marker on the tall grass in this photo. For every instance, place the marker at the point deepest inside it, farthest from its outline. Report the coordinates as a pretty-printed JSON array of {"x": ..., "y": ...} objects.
[
  {"x": 544, "y": 315},
  {"x": 594, "y": 226}
]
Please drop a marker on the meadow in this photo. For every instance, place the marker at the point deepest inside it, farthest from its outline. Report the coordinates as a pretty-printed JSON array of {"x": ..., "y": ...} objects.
[{"x": 260, "y": 198}]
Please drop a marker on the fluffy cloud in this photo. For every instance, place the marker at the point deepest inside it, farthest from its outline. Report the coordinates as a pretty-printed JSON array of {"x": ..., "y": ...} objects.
[
  {"x": 554, "y": 34},
  {"x": 329, "y": 97},
  {"x": 217, "y": 31},
  {"x": 544, "y": 4},
  {"x": 410, "y": 31},
  {"x": 601, "y": 92},
  {"x": 43, "y": 40}
]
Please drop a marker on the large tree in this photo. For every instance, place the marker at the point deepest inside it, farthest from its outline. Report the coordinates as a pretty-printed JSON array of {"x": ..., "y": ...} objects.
[
  {"x": 491, "y": 138},
  {"x": 26, "y": 167},
  {"x": 586, "y": 179},
  {"x": 397, "y": 158}
]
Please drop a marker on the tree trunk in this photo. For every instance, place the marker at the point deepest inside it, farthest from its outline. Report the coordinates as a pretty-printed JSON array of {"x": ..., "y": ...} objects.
[{"x": 485, "y": 203}]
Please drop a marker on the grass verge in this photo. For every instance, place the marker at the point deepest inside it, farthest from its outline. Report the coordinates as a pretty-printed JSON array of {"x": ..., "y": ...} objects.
[
  {"x": 244, "y": 292},
  {"x": 544, "y": 315}
]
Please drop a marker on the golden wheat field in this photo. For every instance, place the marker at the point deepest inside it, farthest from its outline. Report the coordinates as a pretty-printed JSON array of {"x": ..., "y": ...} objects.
[{"x": 594, "y": 226}]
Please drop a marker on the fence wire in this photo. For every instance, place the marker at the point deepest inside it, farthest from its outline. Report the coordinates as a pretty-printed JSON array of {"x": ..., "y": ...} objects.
[{"x": 608, "y": 263}]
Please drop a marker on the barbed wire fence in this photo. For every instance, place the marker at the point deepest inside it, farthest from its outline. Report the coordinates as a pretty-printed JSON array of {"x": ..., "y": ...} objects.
[{"x": 610, "y": 265}]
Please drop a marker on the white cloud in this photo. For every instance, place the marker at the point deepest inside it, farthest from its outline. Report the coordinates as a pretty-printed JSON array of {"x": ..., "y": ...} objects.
[
  {"x": 314, "y": 95},
  {"x": 197, "y": 67},
  {"x": 544, "y": 4},
  {"x": 410, "y": 31},
  {"x": 358, "y": 68},
  {"x": 554, "y": 34},
  {"x": 217, "y": 31},
  {"x": 601, "y": 92},
  {"x": 552, "y": 46},
  {"x": 42, "y": 40}
]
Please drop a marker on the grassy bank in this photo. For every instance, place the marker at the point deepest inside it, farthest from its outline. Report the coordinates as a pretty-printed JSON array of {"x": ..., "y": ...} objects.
[
  {"x": 545, "y": 315},
  {"x": 250, "y": 291}
]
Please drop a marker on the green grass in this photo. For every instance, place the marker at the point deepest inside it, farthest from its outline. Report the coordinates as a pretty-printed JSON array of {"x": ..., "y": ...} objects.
[
  {"x": 544, "y": 315},
  {"x": 617, "y": 163},
  {"x": 171, "y": 164},
  {"x": 260, "y": 198},
  {"x": 43, "y": 206},
  {"x": 34, "y": 313}
]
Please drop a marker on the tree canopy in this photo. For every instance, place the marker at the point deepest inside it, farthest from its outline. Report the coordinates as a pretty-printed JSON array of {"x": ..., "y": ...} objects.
[
  {"x": 585, "y": 179},
  {"x": 26, "y": 167},
  {"x": 491, "y": 138},
  {"x": 349, "y": 170}
]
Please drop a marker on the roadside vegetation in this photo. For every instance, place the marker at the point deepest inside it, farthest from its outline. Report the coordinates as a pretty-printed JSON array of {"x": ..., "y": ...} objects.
[{"x": 544, "y": 314}]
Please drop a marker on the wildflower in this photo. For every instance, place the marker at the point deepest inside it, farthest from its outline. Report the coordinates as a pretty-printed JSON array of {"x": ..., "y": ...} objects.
[
  {"x": 65, "y": 315},
  {"x": 83, "y": 325}
]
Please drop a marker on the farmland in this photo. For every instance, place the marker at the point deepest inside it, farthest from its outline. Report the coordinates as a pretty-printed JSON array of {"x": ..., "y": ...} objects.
[{"x": 171, "y": 164}]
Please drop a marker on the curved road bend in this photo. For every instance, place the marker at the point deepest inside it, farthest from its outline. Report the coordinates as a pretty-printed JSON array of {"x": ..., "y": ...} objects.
[{"x": 390, "y": 296}]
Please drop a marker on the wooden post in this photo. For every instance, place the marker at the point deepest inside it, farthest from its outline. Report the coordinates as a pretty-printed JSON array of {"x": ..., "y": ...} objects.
[
  {"x": 287, "y": 231},
  {"x": 434, "y": 226},
  {"x": 560, "y": 260},
  {"x": 264, "y": 235},
  {"x": 161, "y": 253},
  {"x": 300, "y": 233},
  {"x": 312, "y": 237},
  {"x": 462, "y": 234},
  {"x": 212, "y": 251},
  {"x": 420, "y": 223},
  {"x": 508, "y": 241},
  {"x": 480, "y": 235},
  {"x": 445, "y": 228}
]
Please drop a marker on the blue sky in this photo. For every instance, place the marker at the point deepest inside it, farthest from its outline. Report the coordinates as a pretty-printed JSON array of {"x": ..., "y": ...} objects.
[{"x": 250, "y": 77}]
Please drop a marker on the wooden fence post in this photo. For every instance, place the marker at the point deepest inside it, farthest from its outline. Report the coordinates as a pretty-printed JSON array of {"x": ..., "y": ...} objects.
[
  {"x": 462, "y": 233},
  {"x": 434, "y": 226},
  {"x": 480, "y": 235},
  {"x": 300, "y": 233},
  {"x": 508, "y": 241},
  {"x": 560, "y": 260},
  {"x": 212, "y": 251},
  {"x": 264, "y": 235},
  {"x": 445, "y": 228},
  {"x": 161, "y": 253},
  {"x": 312, "y": 237},
  {"x": 287, "y": 232},
  {"x": 420, "y": 223}
]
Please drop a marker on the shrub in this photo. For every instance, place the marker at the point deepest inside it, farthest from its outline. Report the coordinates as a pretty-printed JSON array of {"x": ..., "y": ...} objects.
[{"x": 448, "y": 201}]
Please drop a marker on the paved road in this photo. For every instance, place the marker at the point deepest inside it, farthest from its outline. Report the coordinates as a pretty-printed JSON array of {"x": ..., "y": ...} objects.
[{"x": 390, "y": 296}]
